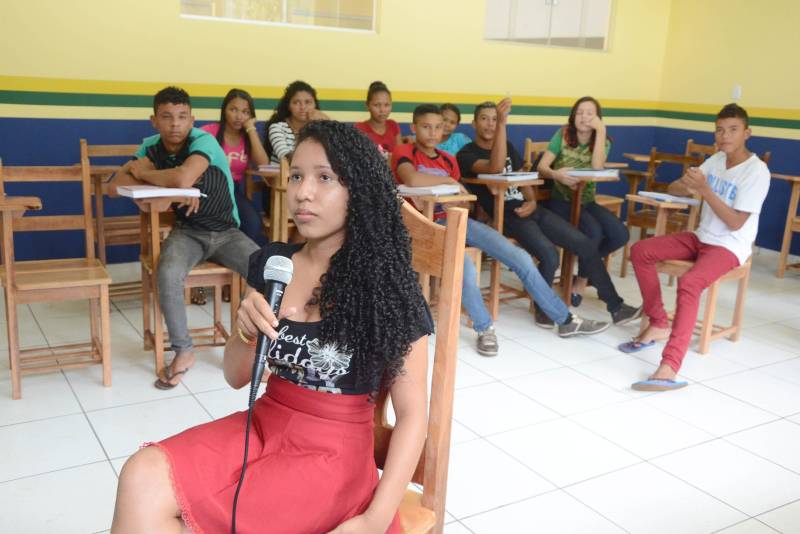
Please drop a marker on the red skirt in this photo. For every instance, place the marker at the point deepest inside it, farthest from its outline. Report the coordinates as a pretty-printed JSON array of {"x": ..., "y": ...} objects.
[{"x": 310, "y": 465}]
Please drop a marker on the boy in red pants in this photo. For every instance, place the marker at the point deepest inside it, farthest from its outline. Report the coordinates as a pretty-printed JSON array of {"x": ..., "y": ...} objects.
[{"x": 732, "y": 184}]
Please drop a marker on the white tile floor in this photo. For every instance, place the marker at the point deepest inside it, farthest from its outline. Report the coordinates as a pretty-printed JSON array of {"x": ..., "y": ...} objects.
[{"x": 547, "y": 437}]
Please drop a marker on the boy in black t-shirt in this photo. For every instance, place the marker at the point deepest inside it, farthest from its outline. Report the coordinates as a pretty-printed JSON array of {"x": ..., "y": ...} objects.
[
  {"x": 537, "y": 229},
  {"x": 206, "y": 228}
]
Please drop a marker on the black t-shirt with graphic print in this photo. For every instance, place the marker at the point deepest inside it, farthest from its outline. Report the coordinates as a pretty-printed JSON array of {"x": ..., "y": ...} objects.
[
  {"x": 471, "y": 153},
  {"x": 297, "y": 354}
]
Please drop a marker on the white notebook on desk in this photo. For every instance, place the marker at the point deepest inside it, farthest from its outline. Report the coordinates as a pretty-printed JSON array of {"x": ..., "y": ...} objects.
[
  {"x": 604, "y": 173},
  {"x": 665, "y": 197},
  {"x": 510, "y": 176},
  {"x": 154, "y": 191},
  {"x": 437, "y": 190}
]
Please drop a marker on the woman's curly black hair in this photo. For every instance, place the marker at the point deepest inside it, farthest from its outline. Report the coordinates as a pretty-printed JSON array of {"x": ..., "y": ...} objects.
[{"x": 369, "y": 300}]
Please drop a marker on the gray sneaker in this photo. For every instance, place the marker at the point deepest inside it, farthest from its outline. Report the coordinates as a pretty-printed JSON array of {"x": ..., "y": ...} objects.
[
  {"x": 625, "y": 314},
  {"x": 581, "y": 327},
  {"x": 487, "y": 342}
]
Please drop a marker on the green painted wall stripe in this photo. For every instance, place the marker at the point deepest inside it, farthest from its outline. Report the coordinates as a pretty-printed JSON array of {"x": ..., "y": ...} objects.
[{"x": 34, "y": 98}]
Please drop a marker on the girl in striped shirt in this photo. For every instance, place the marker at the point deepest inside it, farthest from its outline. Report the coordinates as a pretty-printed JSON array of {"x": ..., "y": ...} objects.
[{"x": 298, "y": 106}]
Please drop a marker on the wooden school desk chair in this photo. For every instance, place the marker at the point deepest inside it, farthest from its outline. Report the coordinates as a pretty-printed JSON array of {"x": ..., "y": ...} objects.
[
  {"x": 643, "y": 215},
  {"x": 52, "y": 280},
  {"x": 534, "y": 151},
  {"x": 111, "y": 230},
  {"x": 705, "y": 327},
  {"x": 792, "y": 224},
  {"x": 206, "y": 274},
  {"x": 436, "y": 251}
]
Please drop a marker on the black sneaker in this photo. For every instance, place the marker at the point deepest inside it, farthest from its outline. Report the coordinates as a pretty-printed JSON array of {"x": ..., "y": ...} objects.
[
  {"x": 625, "y": 314},
  {"x": 581, "y": 327},
  {"x": 541, "y": 319}
]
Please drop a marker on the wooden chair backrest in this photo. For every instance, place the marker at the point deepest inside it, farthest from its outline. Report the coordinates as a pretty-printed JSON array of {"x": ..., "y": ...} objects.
[
  {"x": 107, "y": 151},
  {"x": 532, "y": 152},
  {"x": 437, "y": 251},
  {"x": 698, "y": 152},
  {"x": 94, "y": 152},
  {"x": 49, "y": 223}
]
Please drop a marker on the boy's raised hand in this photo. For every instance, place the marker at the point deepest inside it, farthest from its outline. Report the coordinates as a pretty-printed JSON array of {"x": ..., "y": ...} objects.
[{"x": 503, "y": 109}]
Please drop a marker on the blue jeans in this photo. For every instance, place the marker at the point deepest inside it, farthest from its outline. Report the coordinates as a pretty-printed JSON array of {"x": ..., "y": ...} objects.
[{"x": 495, "y": 245}]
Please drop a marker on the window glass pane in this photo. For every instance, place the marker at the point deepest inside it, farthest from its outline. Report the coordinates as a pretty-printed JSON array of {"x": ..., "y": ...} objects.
[
  {"x": 567, "y": 23},
  {"x": 350, "y": 14}
]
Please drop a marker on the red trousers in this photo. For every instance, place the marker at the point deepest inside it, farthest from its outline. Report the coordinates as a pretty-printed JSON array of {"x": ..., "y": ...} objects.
[{"x": 710, "y": 263}]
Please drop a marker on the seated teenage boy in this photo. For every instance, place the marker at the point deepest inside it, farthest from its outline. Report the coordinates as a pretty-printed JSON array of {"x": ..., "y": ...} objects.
[
  {"x": 422, "y": 164},
  {"x": 733, "y": 184},
  {"x": 537, "y": 229},
  {"x": 205, "y": 229}
]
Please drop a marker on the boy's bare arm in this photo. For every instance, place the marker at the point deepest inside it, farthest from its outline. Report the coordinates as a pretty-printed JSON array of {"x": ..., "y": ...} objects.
[
  {"x": 182, "y": 176},
  {"x": 122, "y": 177},
  {"x": 413, "y": 178},
  {"x": 695, "y": 181}
]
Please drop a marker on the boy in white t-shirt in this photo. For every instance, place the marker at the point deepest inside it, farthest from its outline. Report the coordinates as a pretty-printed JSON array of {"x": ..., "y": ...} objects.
[{"x": 733, "y": 184}]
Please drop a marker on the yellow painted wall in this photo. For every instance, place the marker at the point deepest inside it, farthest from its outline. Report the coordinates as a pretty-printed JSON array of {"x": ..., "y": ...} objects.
[
  {"x": 420, "y": 46},
  {"x": 716, "y": 44}
]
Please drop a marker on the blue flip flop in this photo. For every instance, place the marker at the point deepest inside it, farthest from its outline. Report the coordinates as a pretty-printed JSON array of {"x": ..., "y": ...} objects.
[
  {"x": 629, "y": 347},
  {"x": 655, "y": 384}
]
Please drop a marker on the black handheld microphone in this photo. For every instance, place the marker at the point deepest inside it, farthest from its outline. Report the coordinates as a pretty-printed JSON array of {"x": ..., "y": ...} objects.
[{"x": 277, "y": 275}]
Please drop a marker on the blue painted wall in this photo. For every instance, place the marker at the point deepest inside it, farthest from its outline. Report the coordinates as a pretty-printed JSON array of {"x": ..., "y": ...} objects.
[{"x": 55, "y": 142}]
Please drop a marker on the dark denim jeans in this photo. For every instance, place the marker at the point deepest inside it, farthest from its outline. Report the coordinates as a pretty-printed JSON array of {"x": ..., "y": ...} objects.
[
  {"x": 249, "y": 217},
  {"x": 543, "y": 230}
]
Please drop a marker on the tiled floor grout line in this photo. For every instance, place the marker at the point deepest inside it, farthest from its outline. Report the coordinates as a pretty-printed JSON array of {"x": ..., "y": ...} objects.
[
  {"x": 89, "y": 421},
  {"x": 40, "y": 419},
  {"x": 67, "y": 468},
  {"x": 796, "y": 472},
  {"x": 745, "y": 521},
  {"x": 556, "y": 486},
  {"x": 673, "y": 475}
]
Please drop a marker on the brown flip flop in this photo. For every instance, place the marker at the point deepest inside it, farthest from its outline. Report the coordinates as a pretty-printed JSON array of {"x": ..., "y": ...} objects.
[{"x": 169, "y": 375}]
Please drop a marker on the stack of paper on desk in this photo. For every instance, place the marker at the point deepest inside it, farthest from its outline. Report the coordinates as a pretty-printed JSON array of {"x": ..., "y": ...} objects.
[
  {"x": 154, "y": 191},
  {"x": 510, "y": 176},
  {"x": 664, "y": 197},
  {"x": 604, "y": 173},
  {"x": 437, "y": 190}
]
